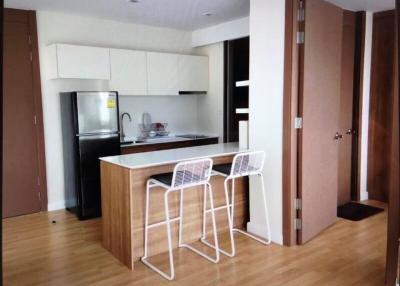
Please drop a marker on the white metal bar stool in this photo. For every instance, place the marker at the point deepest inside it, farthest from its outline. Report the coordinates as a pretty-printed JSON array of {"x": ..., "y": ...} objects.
[
  {"x": 185, "y": 175},
  {"x": 243, "y": 164}
]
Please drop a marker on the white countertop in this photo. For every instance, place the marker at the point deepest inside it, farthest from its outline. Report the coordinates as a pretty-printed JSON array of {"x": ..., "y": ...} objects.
[{"x": 172, "y": 156}]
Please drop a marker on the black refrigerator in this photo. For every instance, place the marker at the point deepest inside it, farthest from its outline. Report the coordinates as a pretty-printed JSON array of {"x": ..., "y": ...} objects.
[{"x": 90, "y": 130}]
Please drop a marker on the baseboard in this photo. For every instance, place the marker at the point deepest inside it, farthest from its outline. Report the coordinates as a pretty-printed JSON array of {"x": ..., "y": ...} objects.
[
  {"x": 363, "y": 196},
  {"x": 54, "y": 206},
  {"x": 59, "y": 205},
  {"x": 259, "y": 229}
]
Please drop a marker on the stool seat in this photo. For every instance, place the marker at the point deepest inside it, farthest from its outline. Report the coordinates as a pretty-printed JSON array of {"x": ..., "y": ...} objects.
[
  {"x": 223, "y": 168},
  {"x": 165, "y": 178},
  {"x": 182, "y": 176}
]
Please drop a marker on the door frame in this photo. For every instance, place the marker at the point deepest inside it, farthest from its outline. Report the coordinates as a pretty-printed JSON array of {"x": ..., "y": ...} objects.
[
  {"x": 30, "y": 16},
  {"x": 357, "y": 105},
  {"x": 229, "y": 88},
  {"x": 291, "y": 169},
  {"x": 290, "y": 110}
]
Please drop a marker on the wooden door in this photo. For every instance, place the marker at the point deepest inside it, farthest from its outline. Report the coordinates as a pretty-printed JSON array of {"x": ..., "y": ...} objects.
[
  {"x": 393, "y": 230},
  {"x": 346, "y": 107},
  {"x": 381, "y": 104},
  {"x": 20, "y": 149},
  {"x": 319, "y": 107}
]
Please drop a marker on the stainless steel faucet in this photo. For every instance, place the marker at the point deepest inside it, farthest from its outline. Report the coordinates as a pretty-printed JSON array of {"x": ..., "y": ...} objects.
[{"x": 122, "y": 124}]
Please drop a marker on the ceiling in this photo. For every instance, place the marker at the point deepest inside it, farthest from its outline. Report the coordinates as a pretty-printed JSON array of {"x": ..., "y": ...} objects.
[
  {"x": 177, "y": 14},
  {"x": 365, "y": 5}
]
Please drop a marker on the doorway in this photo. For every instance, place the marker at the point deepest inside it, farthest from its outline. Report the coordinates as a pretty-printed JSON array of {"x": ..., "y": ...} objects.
[
  {"x": 24, "y": 179},
  {"x": 320, "y": 136},
  {"x": 323, "y": 100},
  {"x": 236, "y": 94}
]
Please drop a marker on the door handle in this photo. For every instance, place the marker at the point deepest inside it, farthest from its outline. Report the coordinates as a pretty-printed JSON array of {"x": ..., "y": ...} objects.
[
  {"x": 338, "y": 136},
  {"x": 351, "y": 132}
]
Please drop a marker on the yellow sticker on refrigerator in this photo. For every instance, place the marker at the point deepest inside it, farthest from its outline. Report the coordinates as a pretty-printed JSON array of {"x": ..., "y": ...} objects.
[{"x": 111, "y": 103}]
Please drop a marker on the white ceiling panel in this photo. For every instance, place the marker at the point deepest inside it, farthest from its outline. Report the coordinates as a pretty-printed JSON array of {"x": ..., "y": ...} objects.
[
  {"x": 178, "y": 14},
  {"x": 365, "y": 5}
]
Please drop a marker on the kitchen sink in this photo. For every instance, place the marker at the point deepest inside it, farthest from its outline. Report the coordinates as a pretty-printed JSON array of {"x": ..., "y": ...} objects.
[
  {"x": 164, "y": 139},
  {"x": 131, "y": 142},
  {"x": 193, "y": 136},
  {"x": 161, "y": 139}
]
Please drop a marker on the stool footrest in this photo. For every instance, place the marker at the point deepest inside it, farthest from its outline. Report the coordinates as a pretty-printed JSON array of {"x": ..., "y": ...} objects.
[
  {"x": 163, "y": 222},
  {"x": 219, "y": 208}
]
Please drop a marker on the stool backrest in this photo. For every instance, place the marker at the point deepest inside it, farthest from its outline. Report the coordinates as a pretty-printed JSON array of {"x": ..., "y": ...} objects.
[
  {"x": 249, "y": 163},
  {"x": 192, "y": 173}
]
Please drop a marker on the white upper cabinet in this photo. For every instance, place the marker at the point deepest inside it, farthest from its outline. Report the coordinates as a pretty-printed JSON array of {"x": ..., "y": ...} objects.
[
  {"x": 193, "y": 73},
  {"x": 162, "y": 74},
  {"x": 81, "y": 62},
  {"x": 128, "y": 72}
]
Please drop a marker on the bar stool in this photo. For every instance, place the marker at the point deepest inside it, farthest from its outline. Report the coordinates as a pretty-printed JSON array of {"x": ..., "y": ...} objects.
[
  {"x": 185, "y": 175},
  {"x": 243, "y": 165}
]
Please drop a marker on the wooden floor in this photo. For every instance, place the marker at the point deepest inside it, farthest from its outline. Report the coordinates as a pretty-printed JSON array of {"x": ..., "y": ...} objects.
[{"x": 69, "y": 252}]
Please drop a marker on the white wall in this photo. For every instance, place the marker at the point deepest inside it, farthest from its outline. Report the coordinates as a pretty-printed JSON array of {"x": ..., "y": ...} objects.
[
  {"x": 63, "y": 28},
  {"x": 180, "y": 112},
  {"x": 211, "y": 107},
  {"x": 267, "y": 32},
  {"x": 365, "y": 105},
  {"x": 222, "y": 32}
]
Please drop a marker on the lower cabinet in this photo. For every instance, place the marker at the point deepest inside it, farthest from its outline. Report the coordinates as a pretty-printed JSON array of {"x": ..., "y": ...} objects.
[{"x": 165, "y": 146}]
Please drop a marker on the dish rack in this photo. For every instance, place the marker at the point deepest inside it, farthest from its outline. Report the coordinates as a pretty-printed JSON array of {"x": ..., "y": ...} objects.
[{"x": 158, "y": 128}]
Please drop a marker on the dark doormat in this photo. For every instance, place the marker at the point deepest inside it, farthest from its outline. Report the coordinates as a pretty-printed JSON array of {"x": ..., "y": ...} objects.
[{"x": 356, "y": 212}]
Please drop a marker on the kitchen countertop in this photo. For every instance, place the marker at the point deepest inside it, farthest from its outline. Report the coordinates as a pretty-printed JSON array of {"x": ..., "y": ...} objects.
[
  {"x": 162, "y": 140},
  {"x": 157, "y": 158}
]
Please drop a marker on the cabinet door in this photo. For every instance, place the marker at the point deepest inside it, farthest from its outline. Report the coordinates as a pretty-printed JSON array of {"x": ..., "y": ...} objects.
[
  {"x": 83, "y": 62},
  {"x": 193, "y": 73},
  {"x": 128, "y": 72},
  {"x": 162, "y": 74}
]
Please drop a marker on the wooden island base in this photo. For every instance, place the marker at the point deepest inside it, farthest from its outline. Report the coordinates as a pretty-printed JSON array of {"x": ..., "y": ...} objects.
[{"x": 123, "y": 199}]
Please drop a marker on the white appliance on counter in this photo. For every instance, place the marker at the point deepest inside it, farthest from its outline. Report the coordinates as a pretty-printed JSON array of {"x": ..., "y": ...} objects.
[{"x": 244, "y": 134}]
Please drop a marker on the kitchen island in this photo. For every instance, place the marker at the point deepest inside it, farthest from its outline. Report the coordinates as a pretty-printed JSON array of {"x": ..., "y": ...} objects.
[{"x": 123, "y": 189}]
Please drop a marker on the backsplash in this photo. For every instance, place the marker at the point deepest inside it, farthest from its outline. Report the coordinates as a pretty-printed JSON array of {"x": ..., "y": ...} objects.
[{"x": 180, "y": 112}]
